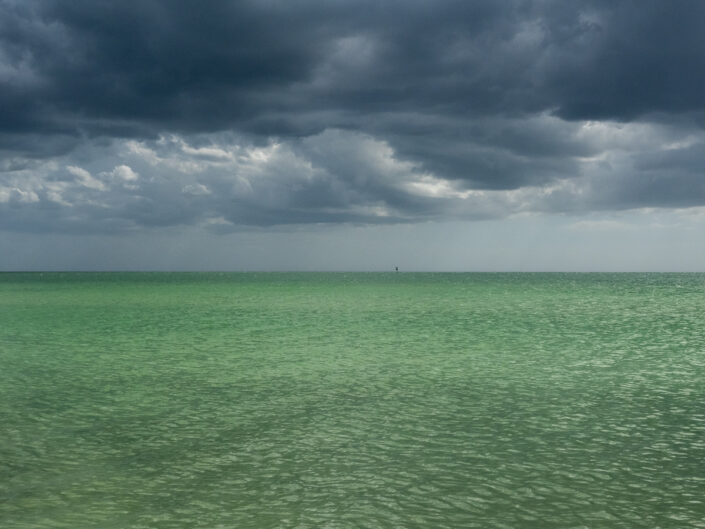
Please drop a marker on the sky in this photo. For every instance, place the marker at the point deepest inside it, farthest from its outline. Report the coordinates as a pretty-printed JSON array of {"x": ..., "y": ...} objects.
[{"x": 352, "y": 135}]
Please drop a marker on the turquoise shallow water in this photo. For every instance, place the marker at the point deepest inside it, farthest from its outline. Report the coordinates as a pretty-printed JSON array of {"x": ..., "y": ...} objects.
[{"x": 352, "y": 400}]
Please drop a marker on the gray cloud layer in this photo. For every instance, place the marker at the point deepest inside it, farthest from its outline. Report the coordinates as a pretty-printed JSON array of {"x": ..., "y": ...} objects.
[{"x": 123, "y": 115}]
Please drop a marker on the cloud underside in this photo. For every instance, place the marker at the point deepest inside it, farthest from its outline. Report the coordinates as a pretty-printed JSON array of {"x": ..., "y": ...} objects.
[{"x": 124, "y": 115}]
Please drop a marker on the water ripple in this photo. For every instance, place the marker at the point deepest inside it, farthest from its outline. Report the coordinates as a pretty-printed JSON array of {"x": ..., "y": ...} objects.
[{"x": 409, "y": 400}]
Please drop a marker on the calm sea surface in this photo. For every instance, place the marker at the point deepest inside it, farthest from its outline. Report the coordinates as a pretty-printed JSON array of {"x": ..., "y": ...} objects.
[{"x": 169, "y": 400}]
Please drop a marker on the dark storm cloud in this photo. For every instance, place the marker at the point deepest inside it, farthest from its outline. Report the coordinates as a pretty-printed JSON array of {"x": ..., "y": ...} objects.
[
  {"x": 393, "y": 110},
  {"x": 670, "y": 178},
  {"x": 632, "y": 58},
  {"x": 215, "y": 64}
]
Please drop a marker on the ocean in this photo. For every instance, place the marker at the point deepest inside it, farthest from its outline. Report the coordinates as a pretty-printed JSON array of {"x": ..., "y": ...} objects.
[{"x": 365, "y": 400}]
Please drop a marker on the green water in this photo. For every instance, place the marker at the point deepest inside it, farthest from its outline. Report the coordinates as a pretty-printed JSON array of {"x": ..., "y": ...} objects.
[{"x": 352, "y": 400}]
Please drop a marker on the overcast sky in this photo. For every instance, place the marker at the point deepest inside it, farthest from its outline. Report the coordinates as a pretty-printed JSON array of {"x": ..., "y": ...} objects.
[{"x": 352, "y": 134}]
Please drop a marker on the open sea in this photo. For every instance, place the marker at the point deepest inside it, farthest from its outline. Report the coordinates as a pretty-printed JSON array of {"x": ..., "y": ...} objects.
[{"x": 360, "y": 400}]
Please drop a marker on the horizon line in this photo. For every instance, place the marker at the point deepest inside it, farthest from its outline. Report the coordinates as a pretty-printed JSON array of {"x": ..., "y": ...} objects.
[{"x": 392, "y": 271}]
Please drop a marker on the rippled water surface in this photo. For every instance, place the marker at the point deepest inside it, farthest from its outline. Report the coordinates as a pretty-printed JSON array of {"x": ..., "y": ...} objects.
[{"x": 352, "y": 400}]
